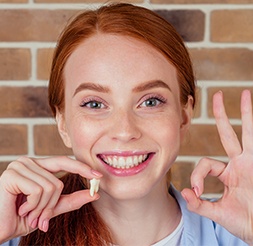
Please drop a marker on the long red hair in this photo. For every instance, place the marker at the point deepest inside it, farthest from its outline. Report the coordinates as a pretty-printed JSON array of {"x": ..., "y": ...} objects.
[{"x": 85, "y": 226}]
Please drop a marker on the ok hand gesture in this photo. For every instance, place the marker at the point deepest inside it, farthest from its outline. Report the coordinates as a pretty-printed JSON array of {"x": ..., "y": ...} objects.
[{"x": 234, "y": 210}]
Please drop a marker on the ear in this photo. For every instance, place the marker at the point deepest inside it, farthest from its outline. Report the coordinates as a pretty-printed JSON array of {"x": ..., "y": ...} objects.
[
  {"x": 187, "y": 111},
  {"x": 61, "y": 124}
]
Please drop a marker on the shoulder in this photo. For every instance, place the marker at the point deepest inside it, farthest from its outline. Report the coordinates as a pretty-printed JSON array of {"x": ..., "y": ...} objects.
[
  {"x": 12, "y": 242},
  {"x": 199, "y": 230}
]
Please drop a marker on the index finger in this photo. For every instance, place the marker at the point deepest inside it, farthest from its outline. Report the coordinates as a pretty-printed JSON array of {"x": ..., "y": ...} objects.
[{"x": 67, "y": 164}]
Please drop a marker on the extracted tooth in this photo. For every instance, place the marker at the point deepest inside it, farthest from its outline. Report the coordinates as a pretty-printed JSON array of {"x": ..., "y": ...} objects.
[{"x": 94, "y": 186}]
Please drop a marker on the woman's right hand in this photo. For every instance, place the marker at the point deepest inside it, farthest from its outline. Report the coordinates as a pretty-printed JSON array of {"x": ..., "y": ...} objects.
[{"x": 30, "y": 194}]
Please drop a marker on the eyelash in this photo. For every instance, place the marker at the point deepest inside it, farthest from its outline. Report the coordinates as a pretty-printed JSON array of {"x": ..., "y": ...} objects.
[
  {"x": 159, "y": 98},
  {"x": 88, "y": 101}
]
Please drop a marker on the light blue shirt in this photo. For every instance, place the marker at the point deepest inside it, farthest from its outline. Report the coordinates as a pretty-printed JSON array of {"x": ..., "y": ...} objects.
[
  {"x": 201, "y": 231},
  {"x": 198, "y": 230}
]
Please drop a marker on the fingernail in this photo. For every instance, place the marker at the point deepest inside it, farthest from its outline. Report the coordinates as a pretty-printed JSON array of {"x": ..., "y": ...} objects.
[
  {"x": 96, "y": 173},
  {"x": 196, "y": 190},
  {"x": 23, "y": 215},
  {"x": 34, "y": 223},
  {"x": 45, "y": 225}
]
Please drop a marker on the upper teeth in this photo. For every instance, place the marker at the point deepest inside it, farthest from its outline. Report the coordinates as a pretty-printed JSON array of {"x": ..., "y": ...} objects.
[{"x": 124, "y": 162}]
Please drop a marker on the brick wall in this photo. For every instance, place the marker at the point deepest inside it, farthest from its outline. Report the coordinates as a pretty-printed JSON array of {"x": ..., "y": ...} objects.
[{"x": 219, "y": 35}]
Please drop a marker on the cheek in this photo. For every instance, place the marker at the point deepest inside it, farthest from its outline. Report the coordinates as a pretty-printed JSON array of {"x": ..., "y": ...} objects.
[
  {"x": 167, "y": 128},
  {"x": 83, "y": 135}
]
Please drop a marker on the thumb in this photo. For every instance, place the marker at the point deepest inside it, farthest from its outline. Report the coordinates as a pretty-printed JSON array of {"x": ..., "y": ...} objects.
[
  {"x": 202, "y": 207},
  {"x": 74, "y": 201}
]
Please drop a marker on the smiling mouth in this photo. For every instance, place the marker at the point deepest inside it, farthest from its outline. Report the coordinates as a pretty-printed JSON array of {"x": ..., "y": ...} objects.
[{"x": 124, "y": 162}]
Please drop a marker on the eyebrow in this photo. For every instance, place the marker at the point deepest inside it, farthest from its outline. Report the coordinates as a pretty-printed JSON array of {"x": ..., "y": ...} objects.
[
  {"x": 91, "y": 86},
  {"x": 104, "y": 89},
  {"x": 150, "y": 85}
]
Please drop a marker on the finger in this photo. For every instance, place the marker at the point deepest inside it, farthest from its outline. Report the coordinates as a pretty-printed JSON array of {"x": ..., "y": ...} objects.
[
  {"x": 66, "y": 203},
  {"x": 204, "y": 168},
  {"x": 247, "y": 121},
  {"x": 46, "y": 212},
  {"x": 46, "y": 187},
  {"x": 201, "y": 207},
  {"x": 15, "y": 184},
  {"x": 73, "y": 201},
  {"x": 64, "y": 163},
  {"x": 228, "y": 137},
  {"x": 49, "y": 198}
]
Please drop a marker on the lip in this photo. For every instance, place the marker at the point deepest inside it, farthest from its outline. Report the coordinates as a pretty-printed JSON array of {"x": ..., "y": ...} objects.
[{"x": 129, "y": 171}]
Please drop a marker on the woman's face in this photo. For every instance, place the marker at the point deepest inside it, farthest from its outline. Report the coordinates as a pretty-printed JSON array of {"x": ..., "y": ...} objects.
[{"x": 122, "y": 113}]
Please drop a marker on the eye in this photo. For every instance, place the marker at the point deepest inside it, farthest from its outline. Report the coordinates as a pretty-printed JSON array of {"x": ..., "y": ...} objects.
[
  {"x": 93, "y": 104},
  {"x": 152, "y": 102}
]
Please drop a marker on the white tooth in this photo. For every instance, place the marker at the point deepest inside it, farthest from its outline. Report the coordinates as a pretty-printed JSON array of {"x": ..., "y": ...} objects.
[
  {"x": 121, "y": 162},
  {"x": 129, "y": 161},
  {"x": 140, "y": 158},
  {"x": 94, "y": 186},
  {"x": 109, "y": 160},
  {"x": 114, "y": 162},
  {"x": 145, "y": 157},
  {"x": 135, "y": 160}
]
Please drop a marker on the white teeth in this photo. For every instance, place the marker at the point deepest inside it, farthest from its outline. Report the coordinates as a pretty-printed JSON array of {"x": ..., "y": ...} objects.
[
  {"x": 121, "y": 162},
  {"x": 136, "y": 160},
  {"x": 124, "y": 162},
  {"x": 94, "y": 186},
  {"x": 114, "y": 162},
  {"x": 129, "y": 161}
]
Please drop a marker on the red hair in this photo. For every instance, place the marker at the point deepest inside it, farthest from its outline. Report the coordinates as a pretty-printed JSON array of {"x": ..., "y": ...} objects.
[
  {"x": 128, "y": 20},
  {"x": 85, "y": 226}
]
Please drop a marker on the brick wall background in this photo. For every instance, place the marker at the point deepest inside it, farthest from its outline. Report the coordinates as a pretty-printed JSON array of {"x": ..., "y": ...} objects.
[{"x": 219, "y": 35}]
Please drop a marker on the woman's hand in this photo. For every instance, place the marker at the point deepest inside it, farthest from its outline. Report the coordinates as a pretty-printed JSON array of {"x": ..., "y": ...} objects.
[
  {"x": 234, "y": 210},
  {"x": 30, "y": 194}
]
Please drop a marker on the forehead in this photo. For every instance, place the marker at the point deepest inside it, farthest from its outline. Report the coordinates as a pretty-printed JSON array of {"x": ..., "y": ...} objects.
[{"x": 107, "y": 58}]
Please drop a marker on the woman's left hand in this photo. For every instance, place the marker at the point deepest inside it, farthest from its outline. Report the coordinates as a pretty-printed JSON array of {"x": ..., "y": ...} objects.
[{"x": 234, "y": 210}]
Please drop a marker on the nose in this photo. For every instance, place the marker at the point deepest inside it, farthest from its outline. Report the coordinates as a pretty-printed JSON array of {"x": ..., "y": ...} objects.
[{"x": 125, "y": 126}]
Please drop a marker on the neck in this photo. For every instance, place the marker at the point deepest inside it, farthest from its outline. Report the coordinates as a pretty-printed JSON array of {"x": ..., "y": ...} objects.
[{"x": 144, "y": 221}]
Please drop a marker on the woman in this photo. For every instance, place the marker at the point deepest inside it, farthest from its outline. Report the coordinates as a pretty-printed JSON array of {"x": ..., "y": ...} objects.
[{"x": 122, "y": 91}]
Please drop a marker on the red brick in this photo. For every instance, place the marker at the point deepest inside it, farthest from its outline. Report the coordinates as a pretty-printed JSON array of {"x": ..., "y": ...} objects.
[
  {"x": 13, "y": 140},
  {"x": 47, "y": 141},
  {"x": 213, "y": 185},
  {"x": 13, "y": 1},
  {"x": 190, "y": 24},
  {"x": 32, "y": 24},
  {"x": 223, "y": 64},
  {"x": 203, "y": 140},
  {"x": 180, "y": 178},
  {"x": 197, "y": 109},
  {"x": 44, "y": 60},
  {"x": 24, "y": 102},
  {"x": 180, "y": 174},
  {"x": 83, "y": 1},
  {"x": 3, "y": 166},
  {"x": 15, "y": 64},
  {"x": 232, "y": 26},
  {"x": 201, "y": 1}
]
